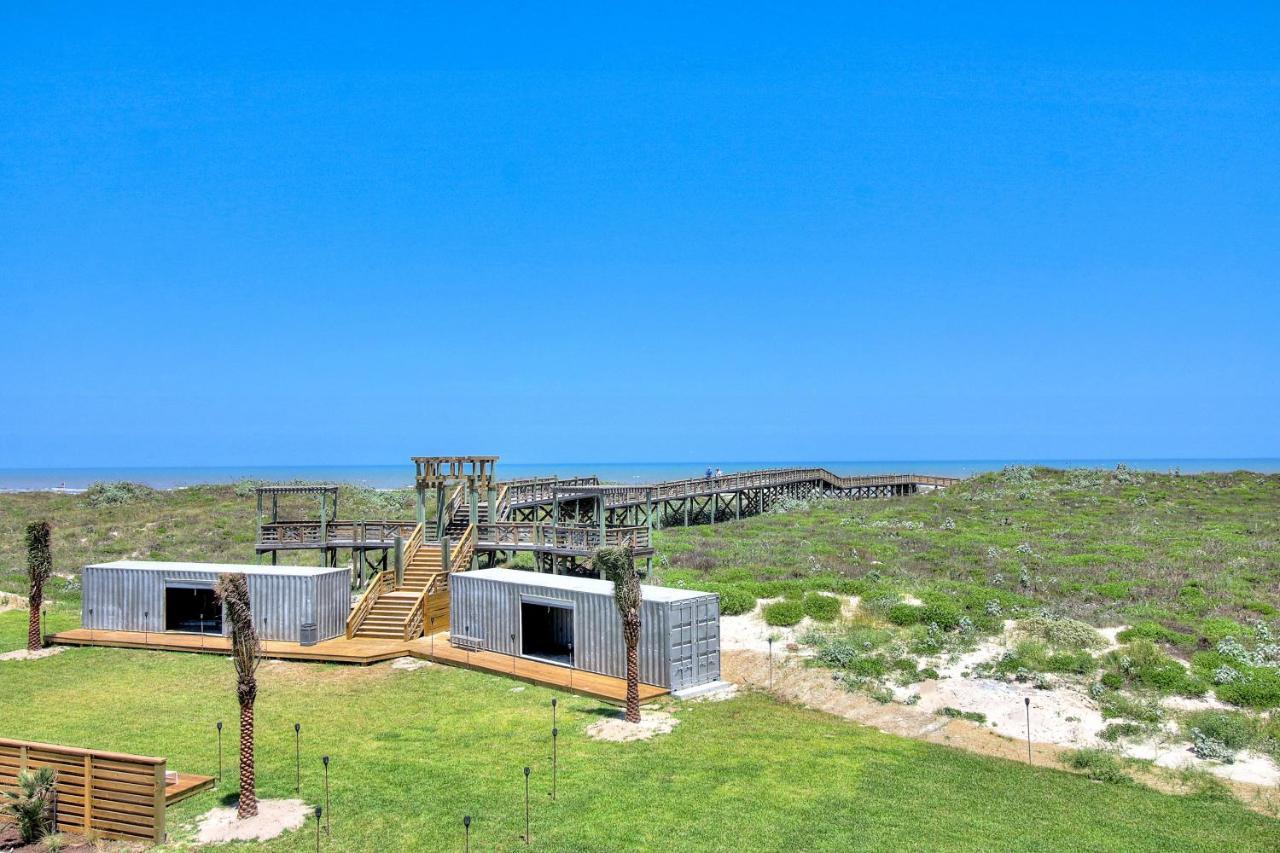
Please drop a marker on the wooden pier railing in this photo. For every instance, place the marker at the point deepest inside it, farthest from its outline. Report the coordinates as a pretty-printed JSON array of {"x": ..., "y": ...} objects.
[
  {"x": 577, "y": 538},
  {"x": 628, "y": 495},
  {"x": 340, "y": 534}
]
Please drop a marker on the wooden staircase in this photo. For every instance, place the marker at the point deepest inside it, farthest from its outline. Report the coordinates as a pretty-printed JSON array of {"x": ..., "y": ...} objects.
[{"x": 391, "y": 611}]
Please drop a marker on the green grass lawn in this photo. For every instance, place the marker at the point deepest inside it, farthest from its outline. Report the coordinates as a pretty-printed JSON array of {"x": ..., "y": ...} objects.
[{"x": 413, "y": 752}]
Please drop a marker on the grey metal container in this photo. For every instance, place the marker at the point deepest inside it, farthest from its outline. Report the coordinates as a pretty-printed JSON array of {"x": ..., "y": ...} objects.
[
  {"x": 130, "y": 595},
  {"x": 679, "y": 629}
]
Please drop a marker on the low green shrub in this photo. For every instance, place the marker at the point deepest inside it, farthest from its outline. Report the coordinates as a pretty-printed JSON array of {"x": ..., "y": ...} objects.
[
  {"x": 1142, "y": 665},
  {"x": 1112, "y": 680},
  {"x": 1115, "y": 731},
  {"x": 943, "y": 614},
  {"x": 1158, "y": 633},
  {"x": 1219, "y": 735},
  {"x": 1115, "y": 705},
  {"x": 957, "y": 714},
  {"x": 784, "y": 613},
  {"x": 1097, "y": 765},
  {"x": 904, "y": 614},
  {"x": 1259, "y": 688},
  {"x": 735, "y": 601},
  {"x": 110, "y": 494},
  {"x": 869, "y": 668},
  {"x": 821, "y": 608},
  {"x": 1064, "y": 634},
  {"x": 838, "y": 652}
]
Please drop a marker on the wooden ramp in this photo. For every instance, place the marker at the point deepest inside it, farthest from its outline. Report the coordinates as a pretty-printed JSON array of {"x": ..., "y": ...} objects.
[{"x": 437, "y": 648}]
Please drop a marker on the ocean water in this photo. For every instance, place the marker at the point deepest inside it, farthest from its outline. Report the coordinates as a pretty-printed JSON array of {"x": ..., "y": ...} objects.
[{"x": 401, "y": 475}]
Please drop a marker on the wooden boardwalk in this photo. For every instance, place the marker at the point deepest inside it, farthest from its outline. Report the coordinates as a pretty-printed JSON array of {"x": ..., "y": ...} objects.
[{"x": 364, "y": 651}]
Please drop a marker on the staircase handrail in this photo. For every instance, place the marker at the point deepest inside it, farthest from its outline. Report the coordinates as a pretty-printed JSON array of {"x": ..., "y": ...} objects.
[{"x": 381, "y": 582}]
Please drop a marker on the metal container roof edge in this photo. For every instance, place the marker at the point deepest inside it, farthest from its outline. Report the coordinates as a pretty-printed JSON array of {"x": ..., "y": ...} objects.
[
  {"x": 219, "y": 568},
  {"x": 586, "y": 585}
]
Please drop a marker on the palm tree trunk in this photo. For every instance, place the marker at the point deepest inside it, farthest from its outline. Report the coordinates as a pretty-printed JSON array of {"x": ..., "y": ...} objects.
[
  {"x": 34, "y": 641},
  {"x": 633, "y": 684},
  {"x": 248, "y": 795}
]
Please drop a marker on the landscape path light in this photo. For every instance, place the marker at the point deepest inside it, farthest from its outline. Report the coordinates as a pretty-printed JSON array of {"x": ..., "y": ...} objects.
[
  {"x": 328, "y": 809},
  {"x": 1027, "y": 700},
  {"x": 219, "y": 753},
  {"x": 555, "y": 735},
  {"x": 526, "y": 806},
  {"x": 466, "y": 830},
  {"x": 319, "y": 809},
  {"x": 297, "y": 757}
]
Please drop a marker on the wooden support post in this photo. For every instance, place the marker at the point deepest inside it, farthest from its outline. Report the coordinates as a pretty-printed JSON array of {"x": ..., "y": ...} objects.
[
  {"x": 444, "y": 554},
  {"x": 399, "y": 560},
  {"x": 737, "y": 506},
  {"x": 88, "y": 796},
  {"x": 158, "y": 836},
  {"x": 687, "y": 501},
  {"x": 600, "y": 517}
]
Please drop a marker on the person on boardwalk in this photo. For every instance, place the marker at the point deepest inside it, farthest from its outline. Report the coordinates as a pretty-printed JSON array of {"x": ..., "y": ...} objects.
[{"x": 708, "y": 472}]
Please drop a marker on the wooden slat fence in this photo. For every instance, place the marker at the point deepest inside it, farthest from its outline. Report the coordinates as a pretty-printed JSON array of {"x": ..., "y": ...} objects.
[{"x": 99, "y": 794}]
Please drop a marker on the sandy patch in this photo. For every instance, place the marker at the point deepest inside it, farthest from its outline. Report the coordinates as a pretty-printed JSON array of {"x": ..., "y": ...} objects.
[
  {"x": 1175, "y": 754},
  {"x": 274, "y": 818},
  {"x": 12, "y": 601},
  {"x": 618, "y": 730},
  {"x": 750, "y": 631},
  {"x": 409, "y": 664},
  {"x": 1109, "y": 634},
  {"x": 23, "y": 654}
]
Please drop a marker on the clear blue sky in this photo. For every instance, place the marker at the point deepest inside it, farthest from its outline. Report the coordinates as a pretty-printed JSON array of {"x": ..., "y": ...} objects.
[{"x": 310, "y": 235}]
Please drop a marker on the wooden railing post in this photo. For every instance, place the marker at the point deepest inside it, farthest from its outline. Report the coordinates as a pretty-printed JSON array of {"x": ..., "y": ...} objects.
[
  {"x": 444, "y": 554},
  {"x": 399, "y": 555},
  {"x": 158, "y": 836}
]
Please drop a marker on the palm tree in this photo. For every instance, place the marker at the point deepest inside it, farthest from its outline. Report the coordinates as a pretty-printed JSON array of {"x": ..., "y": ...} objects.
[
  {"x": 619, "y": 566},
  {"x": 233, "y": 591},
  {"x": 39, "y": 568}
]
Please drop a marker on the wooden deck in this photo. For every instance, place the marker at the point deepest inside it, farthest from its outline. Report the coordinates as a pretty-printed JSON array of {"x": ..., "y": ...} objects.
[
  {"x": 367, "y": 651},
  {"x": 340, "y": 650},
  {"x": 188, "y": 785},
  {"x": 437, "y": 648}
]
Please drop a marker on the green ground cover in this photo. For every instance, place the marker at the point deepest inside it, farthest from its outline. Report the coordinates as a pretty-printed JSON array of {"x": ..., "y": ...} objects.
[
  {"x": 1187, "y": 560},
  {"x": 414, "y": 751},
  {"x": 202, "y": 523}
]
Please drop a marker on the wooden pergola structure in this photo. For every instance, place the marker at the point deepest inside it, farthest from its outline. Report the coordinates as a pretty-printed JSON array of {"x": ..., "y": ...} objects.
[{"x": 371, "y": 542}]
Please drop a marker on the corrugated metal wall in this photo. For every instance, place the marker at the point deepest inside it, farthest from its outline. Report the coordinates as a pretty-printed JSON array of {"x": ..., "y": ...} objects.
[
  {"x": 333, "y": 603},
  {"x": 133, "y": 600},
  {"x": 695, "y": 641},
  {"x": 487, "y": 613}
]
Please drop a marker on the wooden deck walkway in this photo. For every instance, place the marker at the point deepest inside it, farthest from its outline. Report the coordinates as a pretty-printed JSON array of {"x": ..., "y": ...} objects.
[
  {"x": 437, "y": 648},
  {"x": 365, "y": 651},
  {"x": 340, "y": 650}
]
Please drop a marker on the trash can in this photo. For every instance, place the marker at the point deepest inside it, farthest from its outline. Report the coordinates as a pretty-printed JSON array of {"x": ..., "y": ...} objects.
[{"x": 310, "y": 634}]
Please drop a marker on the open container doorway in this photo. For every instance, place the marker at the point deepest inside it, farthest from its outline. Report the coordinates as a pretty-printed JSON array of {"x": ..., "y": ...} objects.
[
  {"x": 192, "y": 609},
  {"x": 546, "y": 630}
]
